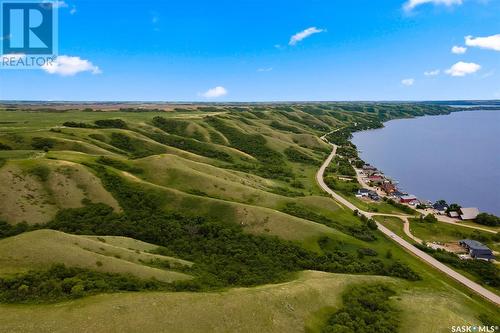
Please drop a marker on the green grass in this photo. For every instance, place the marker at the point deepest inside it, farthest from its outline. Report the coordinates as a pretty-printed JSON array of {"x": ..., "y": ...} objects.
[
  {"x": 288, "y": 307},
  {"x": 396, "y": 225},
  {"x": 27, "y": 197},
  {"x": 43, "y": 248},
  {"x": 447, "y": 233},
  {"x": 233, "y": 190}
]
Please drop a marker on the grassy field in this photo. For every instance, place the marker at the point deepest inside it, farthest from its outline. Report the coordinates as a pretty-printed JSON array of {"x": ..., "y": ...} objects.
[
  {"x": 289, "y": 307},
  {"x": 448, "y": 233}
]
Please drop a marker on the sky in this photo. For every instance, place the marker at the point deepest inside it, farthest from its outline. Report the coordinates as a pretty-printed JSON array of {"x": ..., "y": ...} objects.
[{"x": 284, "y": 50}]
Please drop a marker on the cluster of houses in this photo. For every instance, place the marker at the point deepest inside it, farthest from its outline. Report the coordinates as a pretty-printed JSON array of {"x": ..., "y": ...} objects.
[
  {"x": 462, "y": 213},
  {"x": 379, "y": 181}
]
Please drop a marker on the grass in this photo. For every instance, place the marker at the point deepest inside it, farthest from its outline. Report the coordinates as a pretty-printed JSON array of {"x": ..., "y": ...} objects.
[
  {"x": 25, "y": 196},
  {"x": 396, "y": 225},
  {"x": 448, "y": 233},
  {"x": 26, "y": 121},
  {"x": 42, "y": 248},
  {"x": 288, "y": 307},
  {"x": 194, "y": 184}
]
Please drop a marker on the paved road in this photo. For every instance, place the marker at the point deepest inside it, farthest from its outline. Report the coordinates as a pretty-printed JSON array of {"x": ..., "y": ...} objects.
[{"x": 409, "y": 247}]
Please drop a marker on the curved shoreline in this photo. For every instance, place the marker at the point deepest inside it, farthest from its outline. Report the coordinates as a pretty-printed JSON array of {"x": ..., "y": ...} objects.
[
  {"x": 460, "y": 180},
  {"x": 485, "y": 293}
]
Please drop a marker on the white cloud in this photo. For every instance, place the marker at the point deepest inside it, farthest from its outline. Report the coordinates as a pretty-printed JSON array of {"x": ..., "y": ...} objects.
[
  {"x": 412, "y": 4},
  {"x": 408, "y": 82},
  {"x": 69, "y": 66},
  {"x": 432, "y": 72},
  {"x": 215, "y": 92},
  {"x": 303, "y": 35},
  {"x": 72, "y": 11},
  {"x": 267, "y": 69},
  {"x": 463, "y": 68},
  {"x": 458, "y": 49},
  {"x": 489, "y": 42}
]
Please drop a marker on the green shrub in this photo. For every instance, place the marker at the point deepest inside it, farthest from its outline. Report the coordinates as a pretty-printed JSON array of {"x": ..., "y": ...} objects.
[
  {"x": 60, "y": 283},
  {"x": 366, "y": 309},
  {"x": 488, "y": 219},
  {"x": 295, "y": 155},
  {"x": 42, "y": 143},
  {"x": 40, "y": 171},
  {"x": 5, "y": 147},
  {"x": 111, "y": 123}
]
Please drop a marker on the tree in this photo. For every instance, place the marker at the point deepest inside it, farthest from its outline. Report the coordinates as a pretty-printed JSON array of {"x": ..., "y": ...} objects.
[
  {"x": 488, "y": 219},
  {"x": 453, "y": 208}
]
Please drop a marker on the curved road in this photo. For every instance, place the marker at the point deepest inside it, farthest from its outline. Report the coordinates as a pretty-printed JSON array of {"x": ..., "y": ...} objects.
[{"x": 409, "y": 247}]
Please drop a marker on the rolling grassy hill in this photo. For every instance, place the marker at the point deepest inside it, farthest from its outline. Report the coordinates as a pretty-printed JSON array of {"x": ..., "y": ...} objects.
[
  {"x": 289, "y": 307},
  {"x": 42, "y": 248},
  {"x": 225, "y": 193}
]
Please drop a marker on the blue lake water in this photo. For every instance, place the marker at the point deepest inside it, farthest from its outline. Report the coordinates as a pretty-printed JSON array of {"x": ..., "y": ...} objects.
[{"x": 454, "y": 157}]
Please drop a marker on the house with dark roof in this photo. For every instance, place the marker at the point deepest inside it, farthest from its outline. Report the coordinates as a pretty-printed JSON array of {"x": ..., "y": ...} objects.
[
  {"x": 477, "y": 250},
  {"x": 363, "y": 192},
  {"x": 440, "y": 207}
]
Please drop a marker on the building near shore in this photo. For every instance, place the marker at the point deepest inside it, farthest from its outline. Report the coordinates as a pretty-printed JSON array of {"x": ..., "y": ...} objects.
[
  {"x": 477, "y": 250},
  {"x": 408, "y": 198},
  {"x": 440, "y": 207},
  {"x": 468, "y": 213}
]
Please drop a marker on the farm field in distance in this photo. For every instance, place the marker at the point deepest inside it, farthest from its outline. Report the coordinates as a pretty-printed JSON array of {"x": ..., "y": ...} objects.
[{"x": 203, "y": 218}]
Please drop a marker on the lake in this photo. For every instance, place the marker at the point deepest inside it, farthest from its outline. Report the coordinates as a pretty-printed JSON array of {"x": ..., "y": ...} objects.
[{"x": 454, "y": 157}]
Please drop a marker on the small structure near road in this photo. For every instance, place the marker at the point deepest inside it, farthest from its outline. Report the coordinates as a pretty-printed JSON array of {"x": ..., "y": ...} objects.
[
  {"x": 468, "y": 213},
  {"x": 477, "y": 250}
]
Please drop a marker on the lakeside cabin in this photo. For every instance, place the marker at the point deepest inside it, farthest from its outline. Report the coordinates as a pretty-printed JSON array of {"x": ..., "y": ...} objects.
[
  {"x": 477, "y": 250},
  {"x": 468, "y": 213},
  {"x": 408, "y": 198}
]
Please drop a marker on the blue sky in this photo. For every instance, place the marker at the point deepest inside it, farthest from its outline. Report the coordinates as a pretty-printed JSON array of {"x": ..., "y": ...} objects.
[{"x": 245, "y": 51}]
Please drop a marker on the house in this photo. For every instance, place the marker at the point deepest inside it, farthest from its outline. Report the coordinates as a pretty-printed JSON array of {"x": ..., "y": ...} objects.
[
  {"x": 408, "y": 198},
  {"x": 414, "y": 203},
  {"x": 453, "y": 214},
  {"x": 468, "y": 213},
  {"x": 363, "y": 192},
  {"x": 477, "y": 250},
  {"x": 376, "y": 179},
  {"x": 374, "y": 196},
  {"x": 397, "y": 194},
  {"x": 440, "y": 208},
  {"x": 368, "y": 167},
  {"x": 388, "y": 188}
]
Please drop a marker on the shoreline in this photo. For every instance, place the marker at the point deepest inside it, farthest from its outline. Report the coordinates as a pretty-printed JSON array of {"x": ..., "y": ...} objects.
[{"x": 395, "y": 179}]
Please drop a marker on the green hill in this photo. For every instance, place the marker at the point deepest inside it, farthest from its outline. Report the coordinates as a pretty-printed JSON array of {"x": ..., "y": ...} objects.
[{"x": 42, "y": 248}]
